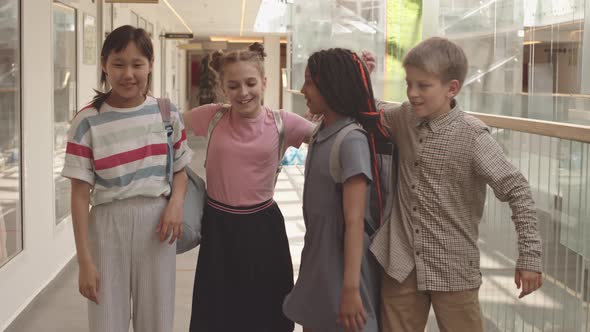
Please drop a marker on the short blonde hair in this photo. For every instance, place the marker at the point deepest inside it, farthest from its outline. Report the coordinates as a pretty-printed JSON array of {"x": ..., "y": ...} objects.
[{"x": 439, "y": 56}]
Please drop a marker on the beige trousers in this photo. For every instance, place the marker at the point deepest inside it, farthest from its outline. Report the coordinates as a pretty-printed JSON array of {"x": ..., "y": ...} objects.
[{"x": 405, "y": 309}]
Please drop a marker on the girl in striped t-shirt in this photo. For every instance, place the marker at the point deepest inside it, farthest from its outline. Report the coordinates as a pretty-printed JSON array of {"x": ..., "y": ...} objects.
[{"x": 116, "y": 160}]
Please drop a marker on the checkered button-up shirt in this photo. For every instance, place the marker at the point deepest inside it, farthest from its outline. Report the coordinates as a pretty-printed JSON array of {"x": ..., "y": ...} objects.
[{"x": 444, "y": 166}]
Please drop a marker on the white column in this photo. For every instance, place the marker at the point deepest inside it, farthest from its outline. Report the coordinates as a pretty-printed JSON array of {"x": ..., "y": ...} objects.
[{"x": 272, "y": 68}]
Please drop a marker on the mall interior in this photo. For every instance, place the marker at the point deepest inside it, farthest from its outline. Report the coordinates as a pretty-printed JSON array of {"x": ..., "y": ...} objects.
[{"x": 528, "y": 79}]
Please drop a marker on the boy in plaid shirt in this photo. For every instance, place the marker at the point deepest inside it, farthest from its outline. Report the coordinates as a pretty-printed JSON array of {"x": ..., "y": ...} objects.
[{"x": 428, "y": 250}]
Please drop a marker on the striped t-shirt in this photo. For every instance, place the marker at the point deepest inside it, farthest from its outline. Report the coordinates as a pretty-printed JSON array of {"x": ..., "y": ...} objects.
[{"x": 122, "y": 151}]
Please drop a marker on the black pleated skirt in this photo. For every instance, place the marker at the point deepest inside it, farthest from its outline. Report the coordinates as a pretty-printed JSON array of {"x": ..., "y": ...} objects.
[{"x": 244, "y": 270}]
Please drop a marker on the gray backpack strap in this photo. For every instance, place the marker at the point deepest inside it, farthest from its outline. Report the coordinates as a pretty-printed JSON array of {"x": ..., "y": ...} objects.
[
  {"x": 335, "y": 165},
  {"x": 164, "y": 106},
  {"x": 212, "y": 124},
  {"x": 278, "y": 116},
  {"x": 310, "y": 145}
]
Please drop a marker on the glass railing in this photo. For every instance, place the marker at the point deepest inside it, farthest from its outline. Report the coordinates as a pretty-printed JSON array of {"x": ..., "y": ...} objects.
[
  {"x": 555, "y": 158},
  {"x": 574, "y": 109},
  {"x": 557, "y": 170}
]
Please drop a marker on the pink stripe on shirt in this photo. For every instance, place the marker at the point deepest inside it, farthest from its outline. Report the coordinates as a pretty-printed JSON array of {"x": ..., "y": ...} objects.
[
  {"x": 79, "y": 150},
  {"x": 130, "y": 156},
  {"x": 182, "y": 139}
]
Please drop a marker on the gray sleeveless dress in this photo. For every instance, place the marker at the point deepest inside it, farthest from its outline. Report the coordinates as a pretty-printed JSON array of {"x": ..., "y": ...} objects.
[{"x": 314, "y": 301}]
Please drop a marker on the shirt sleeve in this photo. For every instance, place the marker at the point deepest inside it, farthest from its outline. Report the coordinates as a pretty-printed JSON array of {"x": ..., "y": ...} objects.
[
  {"x": 355, "y": 156},
  {"x": 200, "y": 117},
  {"x": 511, "y": 186},
  {"x": 182, "y": 152},
  {"x": 389, "y": 116},
  {"x": 79, "y": 159},
  {"x": 297, "y": 129}
]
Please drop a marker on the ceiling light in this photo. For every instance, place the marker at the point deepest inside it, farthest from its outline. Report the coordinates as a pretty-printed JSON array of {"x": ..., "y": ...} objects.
[
  {"x": 242, "y": 20},
  {"x": 178, "y": 16}
]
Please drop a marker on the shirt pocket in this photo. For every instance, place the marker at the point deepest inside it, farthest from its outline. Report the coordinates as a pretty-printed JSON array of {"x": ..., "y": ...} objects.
[
  {"x": 457, "y": 165},
  {"x": 156, "y": 133}
]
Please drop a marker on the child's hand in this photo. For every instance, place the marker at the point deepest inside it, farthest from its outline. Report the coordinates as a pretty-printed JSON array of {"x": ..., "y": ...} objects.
[
  {"x": 171, "y": 222},
  {"x": 352, "y": 313},
  {"x": 89, "y": 281},
  {"x": 530, "y": 281},
  {"x": 369, "y": 59}
]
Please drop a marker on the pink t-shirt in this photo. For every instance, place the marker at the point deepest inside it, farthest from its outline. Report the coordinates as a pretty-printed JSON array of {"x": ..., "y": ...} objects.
[{"x": 243, "y": 153}]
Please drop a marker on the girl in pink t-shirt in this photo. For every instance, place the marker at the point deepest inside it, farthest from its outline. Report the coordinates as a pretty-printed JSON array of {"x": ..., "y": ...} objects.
[{"x": 244, "y": 268}]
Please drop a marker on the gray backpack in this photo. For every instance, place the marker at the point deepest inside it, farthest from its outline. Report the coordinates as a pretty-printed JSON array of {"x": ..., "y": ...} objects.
[
  {"x": 194, "y": 199},
  {"x": 386, "y": 159}
]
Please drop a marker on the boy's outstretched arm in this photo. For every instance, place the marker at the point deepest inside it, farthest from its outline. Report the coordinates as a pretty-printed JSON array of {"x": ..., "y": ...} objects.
[{"x": 511, "y": 186}]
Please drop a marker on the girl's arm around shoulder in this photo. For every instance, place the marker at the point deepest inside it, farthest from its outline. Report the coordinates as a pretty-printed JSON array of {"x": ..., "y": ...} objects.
[
  {"x": 390, "y": 113},
  {"x": 297, "y": 129},
  {"x": 182, "y": 152},
  {"x": 197, "y": 120}
]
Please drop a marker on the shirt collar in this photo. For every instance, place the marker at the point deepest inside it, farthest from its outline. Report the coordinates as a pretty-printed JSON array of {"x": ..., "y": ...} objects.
[
  {"x": 441, "y": 121},
  {"x": 326, "y": 132}
]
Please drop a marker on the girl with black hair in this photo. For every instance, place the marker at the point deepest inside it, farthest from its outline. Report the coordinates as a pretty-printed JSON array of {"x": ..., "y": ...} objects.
[
  {"x": 336, "y": 289},
  {"x": 116, "y": 158}
]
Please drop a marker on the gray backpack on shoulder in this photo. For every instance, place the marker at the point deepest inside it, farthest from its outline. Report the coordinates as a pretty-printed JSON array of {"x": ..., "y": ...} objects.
[
  {"x": 194, "y": 199},
  {"x": 386, "y": 159}
]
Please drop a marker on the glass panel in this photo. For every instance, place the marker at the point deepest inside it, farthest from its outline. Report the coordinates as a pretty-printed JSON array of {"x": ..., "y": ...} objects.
[
  {"x": 64, "y": 98},
  {"x": 355, "y": 24},
  {"x": 11, "y": 237},
  {"x": 142, "y": 23},
  {"x": 150, "y": 30},
  {"x": 558, "y": 173},
  {"x": 107, "y": 18},
  {"x": 404, "y": 30},
  {"x": 134, "y": 20},
  {"x": 527, "y": 58}
]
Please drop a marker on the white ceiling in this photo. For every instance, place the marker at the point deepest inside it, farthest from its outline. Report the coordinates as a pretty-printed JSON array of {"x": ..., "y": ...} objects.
[{"x": 218, "y": 17}]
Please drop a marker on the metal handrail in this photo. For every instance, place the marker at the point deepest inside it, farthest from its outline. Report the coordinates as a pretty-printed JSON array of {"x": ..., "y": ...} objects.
[
  {"x": 537, "y": 127},
  {"x": 531, "y": 126}
]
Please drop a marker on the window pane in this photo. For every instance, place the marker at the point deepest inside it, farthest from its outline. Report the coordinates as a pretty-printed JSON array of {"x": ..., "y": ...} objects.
[
  {"x": 134, "y": 20},
  {"x": 356, "y": 25},
  {"x": 10, "y": 204},
  {"x": 64, "y": 98}
]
